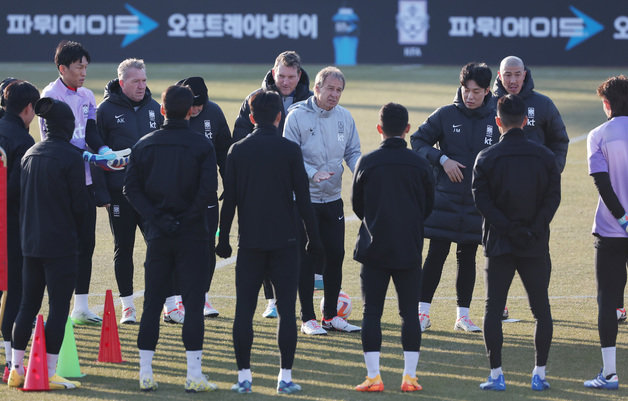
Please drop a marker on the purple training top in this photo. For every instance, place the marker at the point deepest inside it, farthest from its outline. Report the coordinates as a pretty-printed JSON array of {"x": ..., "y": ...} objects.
[
  {"x": 607, "y": 151},
  {"x": 83, "y": 105}
]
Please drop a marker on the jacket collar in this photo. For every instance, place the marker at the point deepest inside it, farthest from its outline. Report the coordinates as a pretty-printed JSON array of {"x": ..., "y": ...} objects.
[
  {"x": 265, "y": 130},
  {"x": 393, "y": 143},
  {"x": 176, "y": 123},
  {"x": 512, "y": 134}
]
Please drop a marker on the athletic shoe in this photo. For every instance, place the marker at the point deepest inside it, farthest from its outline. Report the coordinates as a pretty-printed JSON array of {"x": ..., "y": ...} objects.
[
  {"x": 621, "y": 314},
  {"x": 610, "y": 382},
  {"x": 147, "y": 383},
  {"x": 128, "y": 316},
  {"x": 539, "y": 384},
  {"x": 318, "y": 282},
  {"x": 410, "y": 384},
  {"x": 85, "y": 317},
  {"x": 174, "y": 316},
  {"x": 57, "y": 382},
  {"x": 209, "y": 310},
  {"x": 339, "y": 324},
  {"x": 425, "y": 322},
  {"x": 287, "y": 388},
  {"x": 7, "y": 372},
  {"x": 374, "y": 384},
  {"x": 199, "y": 385},
  {"x": 465, "y": 324},
  {"x": 505, "y": 314},
  {"x": 270, "y": 312},
  {"x": 311, "y": 327},
  {"x": 15, "y": 379},
  {"x": 242, "y": 387},
  {"x": 498, "y": 384}
]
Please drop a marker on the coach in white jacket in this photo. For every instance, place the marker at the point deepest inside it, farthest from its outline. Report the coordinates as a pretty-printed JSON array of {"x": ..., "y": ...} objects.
[{"x": 326, "y": 134}]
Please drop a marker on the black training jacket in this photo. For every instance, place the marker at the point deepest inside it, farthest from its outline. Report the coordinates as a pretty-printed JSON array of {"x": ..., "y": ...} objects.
[
  {"x": 516, "y": 183},
  {"x": 545, "y": 125},
  {"x": 393, "y": 193},
  {"x": 460, "y": 134},
  {"x": 173, "y": 170},
  {"x": 211, "y": 122},
  {"x": 243, "y": 125}
]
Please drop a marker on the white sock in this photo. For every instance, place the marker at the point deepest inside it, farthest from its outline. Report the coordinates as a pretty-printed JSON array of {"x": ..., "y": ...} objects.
[
  {"x": 80, "y": 302},
  {"x": 194, "y": 363},
  {"x": 245, "y": 374},
  {"x": 460, "y": 312},
  {"x": 608, "y": 357},
  {"x": 52, "y": 363},
  {"x": 285, "y": 375},
  {"x": 540, "y": 371},
  {"x": 127, "y": 302},
  {"x": 146, "y": 362},
  {"x": 272, "y": 303},
  {"x": 207, "y": 297},
  {"x": 318, "y": 276},
  {"x": 410, "y": 362},
  {"x": 372, "y": 363},
  {"x": 424, "y": 308},
  {"x": 18, "y": 361},
  {"x": 171, "y": 303},
  {"x": 496, "y": 372},
  {"x": 7, "y": 351},
  {"x": 179, "y": 301}
]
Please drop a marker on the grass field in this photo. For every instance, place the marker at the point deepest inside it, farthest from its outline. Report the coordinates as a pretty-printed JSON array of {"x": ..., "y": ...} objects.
[{"x": 452, "y": 364}]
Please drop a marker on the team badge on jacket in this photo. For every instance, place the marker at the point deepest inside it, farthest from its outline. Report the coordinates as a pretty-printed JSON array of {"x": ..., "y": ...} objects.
[
  {"x": 208, "y": 129},
  {"x": 531, "y": 119},
  {"x": 488, "y": 137},
  {"x": 341, "y": 131},
  {"x": 151, "y": 118},
  {"x": 85, "y": 108}
]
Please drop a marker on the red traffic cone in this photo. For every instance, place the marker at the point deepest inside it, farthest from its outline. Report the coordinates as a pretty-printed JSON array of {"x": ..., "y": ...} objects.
[
  {"x": 109, "y": 340},
  {"x": 37, "y": 373}
]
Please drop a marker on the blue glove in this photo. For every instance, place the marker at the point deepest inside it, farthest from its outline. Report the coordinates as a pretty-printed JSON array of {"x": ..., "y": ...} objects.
[
  {"x": 108, "y": 159},
  {"x": 623, "y": 222}
]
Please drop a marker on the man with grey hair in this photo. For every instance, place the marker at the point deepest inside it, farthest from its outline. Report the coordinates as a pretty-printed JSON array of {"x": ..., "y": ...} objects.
[
  {"x": 127, "y": 113},
  {"x": 327, "y": 135},
  {"x": 545, "y": 125}
]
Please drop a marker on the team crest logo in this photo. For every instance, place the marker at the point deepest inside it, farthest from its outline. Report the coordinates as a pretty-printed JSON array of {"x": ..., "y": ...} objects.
[
  {"x": 488, "y": 138},
  {"x": 85, "y": 110},
  {"x": 151, "y": 116},
  {"x": 531, "y": 119},
  {"x": 208, "y": 125},
  {"x": 413, "y": 22}
]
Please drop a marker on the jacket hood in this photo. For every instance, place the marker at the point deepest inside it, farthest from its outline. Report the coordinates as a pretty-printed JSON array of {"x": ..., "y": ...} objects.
[
  {"x": 302, "y": 90},
  {"x": 59, "y": 117},
  {"x": 480, "y": 112},
  {"x": 113, "y": 93},
  {"x": 526, "y": 89}
]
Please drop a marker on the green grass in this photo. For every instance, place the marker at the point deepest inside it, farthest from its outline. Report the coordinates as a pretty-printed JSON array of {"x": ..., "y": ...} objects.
[{"x": 452, "y": 364}]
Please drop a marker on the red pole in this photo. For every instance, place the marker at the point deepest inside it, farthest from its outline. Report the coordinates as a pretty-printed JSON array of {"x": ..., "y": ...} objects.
[{"x": 3, "y": 221}]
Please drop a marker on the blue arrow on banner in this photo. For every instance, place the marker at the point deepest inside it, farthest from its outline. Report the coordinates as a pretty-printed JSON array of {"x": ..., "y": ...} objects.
[
  {"x": 591, "y": 28},
  {"x": 146, "y": 25}
]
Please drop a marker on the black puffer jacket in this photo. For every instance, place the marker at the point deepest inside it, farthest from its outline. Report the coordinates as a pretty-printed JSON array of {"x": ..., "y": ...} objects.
[
  {"x": 461, "y": 134},
  {"x": 545, "y": 126},
  {"x": 244, "y": 126},
  {"x": 121, "y": 125}
]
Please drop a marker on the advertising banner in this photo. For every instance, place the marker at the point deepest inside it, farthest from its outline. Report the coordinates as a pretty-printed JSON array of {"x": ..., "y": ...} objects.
[{"x": 559, "y": 32}]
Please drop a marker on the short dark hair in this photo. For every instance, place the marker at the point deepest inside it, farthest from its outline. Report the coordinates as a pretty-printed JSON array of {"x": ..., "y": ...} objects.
[
  {"x": 393, "y": 118},
  {"x": 478, "y": 72},
  {"x": 265, "y": 105},
  {"x": 511, "y": 111},
  {"x": 19, "y": 94},
  {"x": 5, "y": 82},
  {"x": 615, "y": 90},
  {"x": 177, "y": 101},
  {"x": 68, "y": 52}
]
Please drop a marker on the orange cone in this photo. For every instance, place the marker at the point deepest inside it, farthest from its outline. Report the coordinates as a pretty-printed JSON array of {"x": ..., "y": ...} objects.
[
  {"x": 37, "y": 371},
  {"x": 109, "y": 340}
]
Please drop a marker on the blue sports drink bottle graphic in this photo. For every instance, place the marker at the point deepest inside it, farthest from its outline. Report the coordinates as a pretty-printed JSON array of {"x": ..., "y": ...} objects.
[{"x": 346, "y": 26}]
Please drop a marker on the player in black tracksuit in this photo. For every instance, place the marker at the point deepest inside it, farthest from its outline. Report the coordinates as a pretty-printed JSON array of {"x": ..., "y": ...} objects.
[
  {"x": 393, "y": 193},
  {"x": 15, "y": 141},
  {"x": 122, "y": 122},
  {"x": 301, "y": 91},
  {"x": 265, "y": 177},
  {"x": 171, "y": 178},
  {"x": 53, "y": 204},
  {"x": 516, "y": 188}
]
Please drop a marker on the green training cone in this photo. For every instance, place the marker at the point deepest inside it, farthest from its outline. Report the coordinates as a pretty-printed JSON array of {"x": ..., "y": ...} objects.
[{"x": 68, "y": 363}]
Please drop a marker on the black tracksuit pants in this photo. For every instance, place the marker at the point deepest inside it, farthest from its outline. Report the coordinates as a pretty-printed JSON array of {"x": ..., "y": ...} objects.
[
  {"x": 59, "y": 276},
  {"x": 499, "y": 273},
  {"x": 212, "y": 225},
  {"x": 611, "y": 258},
  {"x": 187, "y": 259},
  {"x": 433, "y": 270},
  {"x": 87, "y": 242},
  {"x": 14, "y": 278},
  {"x": 281, "y": 266},
  {"x": 374, "y": 283}
]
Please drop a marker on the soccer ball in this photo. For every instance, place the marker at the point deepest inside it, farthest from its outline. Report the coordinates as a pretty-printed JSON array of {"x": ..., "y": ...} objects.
[{"x": 344, "y": 305}]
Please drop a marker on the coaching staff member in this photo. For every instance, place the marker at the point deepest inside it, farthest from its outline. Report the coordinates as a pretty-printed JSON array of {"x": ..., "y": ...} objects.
[
  {"x": 171, "y": 178},
  {"x": 516, "y": 188},
  {"x": 264, "y": 170},
  {"x": 393, "y": 193}
]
